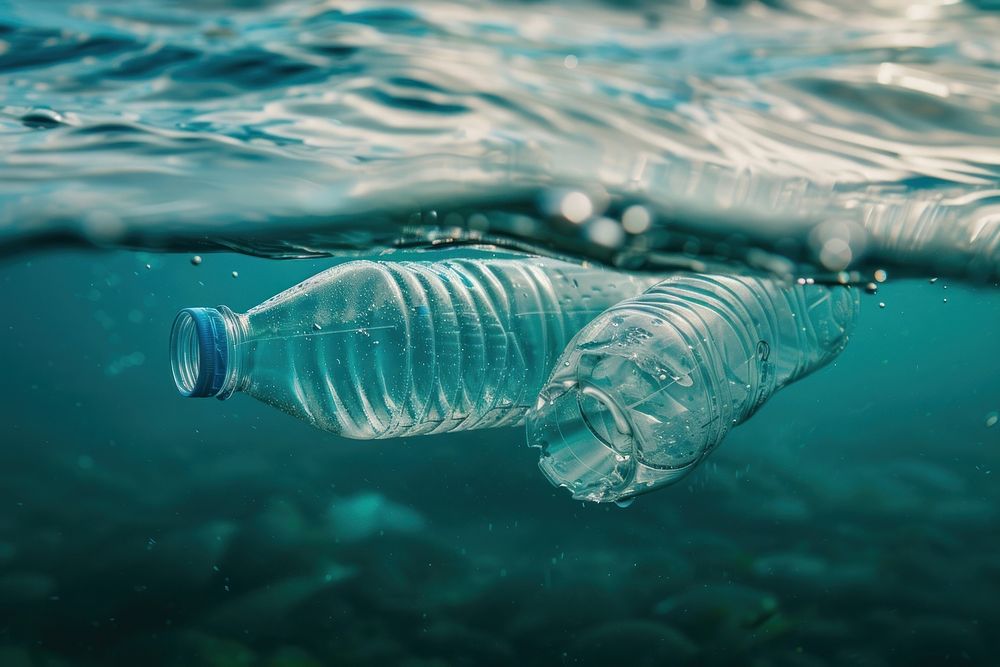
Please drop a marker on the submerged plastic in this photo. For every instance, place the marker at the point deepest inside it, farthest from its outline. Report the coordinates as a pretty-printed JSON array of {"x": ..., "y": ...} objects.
[
  {"x": 648, "y": 389},
  {"x": 385, "y": 349},
  {"x": 200, "y": 352}
]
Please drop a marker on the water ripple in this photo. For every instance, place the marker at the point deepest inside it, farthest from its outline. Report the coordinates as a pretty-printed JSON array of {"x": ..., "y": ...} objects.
[{"x": 792, "y": 136}]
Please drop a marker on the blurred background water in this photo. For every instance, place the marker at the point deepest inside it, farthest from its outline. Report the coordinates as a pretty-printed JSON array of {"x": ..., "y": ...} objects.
[{"x": 851, "y": 522}]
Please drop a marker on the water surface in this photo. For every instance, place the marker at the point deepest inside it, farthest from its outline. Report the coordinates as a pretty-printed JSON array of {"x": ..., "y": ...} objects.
[{"x": 835, "y": 136}]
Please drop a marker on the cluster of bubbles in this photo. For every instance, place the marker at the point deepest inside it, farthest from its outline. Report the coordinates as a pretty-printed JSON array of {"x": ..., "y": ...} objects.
[{"x": 589, "y": 212}]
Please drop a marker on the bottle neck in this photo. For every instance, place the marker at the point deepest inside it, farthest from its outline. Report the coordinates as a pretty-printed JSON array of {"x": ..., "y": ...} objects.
[
  {"x": 208, "y": 354},
  {"x": 237, "y": 335}
]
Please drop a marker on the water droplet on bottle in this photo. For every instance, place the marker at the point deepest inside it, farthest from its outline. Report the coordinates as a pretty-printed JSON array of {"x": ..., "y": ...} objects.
[
  {"x": 871, "y": 288},
  {"x": 881, "y": 304},
  {"x": 316, "y": 326},
  {"x": 196, "y": 260},
  {"x": 236, "y": 274},
  {"x": 881, "y": 276},
  {"x": 627, "y": 502}
]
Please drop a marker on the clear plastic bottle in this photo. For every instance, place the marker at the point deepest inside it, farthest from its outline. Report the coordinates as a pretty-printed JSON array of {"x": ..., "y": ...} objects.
[
  {"x": 384, "y": 349},
  {"x": 649, "y": 388}
]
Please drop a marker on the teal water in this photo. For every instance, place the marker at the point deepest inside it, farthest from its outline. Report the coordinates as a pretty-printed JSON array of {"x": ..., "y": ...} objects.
[{"x": 851, "y": 522}]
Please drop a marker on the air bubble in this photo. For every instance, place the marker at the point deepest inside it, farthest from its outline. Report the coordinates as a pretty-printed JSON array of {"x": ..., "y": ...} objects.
[
  {"x": 576, "y": 207},
  {"x": 636, "y": 219},
  {"x": 605, "y": 232}
]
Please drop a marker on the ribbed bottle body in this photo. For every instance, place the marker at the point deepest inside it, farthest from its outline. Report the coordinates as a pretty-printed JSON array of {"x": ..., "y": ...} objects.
[
  {"x": 388, "y": 349},
  {"x": 655, "y": 383}
]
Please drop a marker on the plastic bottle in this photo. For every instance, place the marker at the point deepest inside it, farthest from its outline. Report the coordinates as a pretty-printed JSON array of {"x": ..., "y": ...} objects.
[
  {"x": 644, "y": 392},
  {"x": 385, "y": 349}
]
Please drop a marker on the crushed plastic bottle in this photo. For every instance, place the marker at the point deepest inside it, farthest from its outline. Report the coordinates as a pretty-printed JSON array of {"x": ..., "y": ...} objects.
[
  {"x": 387, "y": 349},
  {"x": 649, "y": 388}
]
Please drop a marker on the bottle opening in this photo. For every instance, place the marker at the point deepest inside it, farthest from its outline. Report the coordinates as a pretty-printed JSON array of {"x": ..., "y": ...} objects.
[
  {"x": 582, "y": 446},
  {"x": 199, "y": 352},
  {"x": 185, "y": 359}
]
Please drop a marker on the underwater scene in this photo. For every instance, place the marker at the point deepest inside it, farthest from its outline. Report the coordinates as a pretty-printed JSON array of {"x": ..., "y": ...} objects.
[{"x": 499, "y": 333}]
